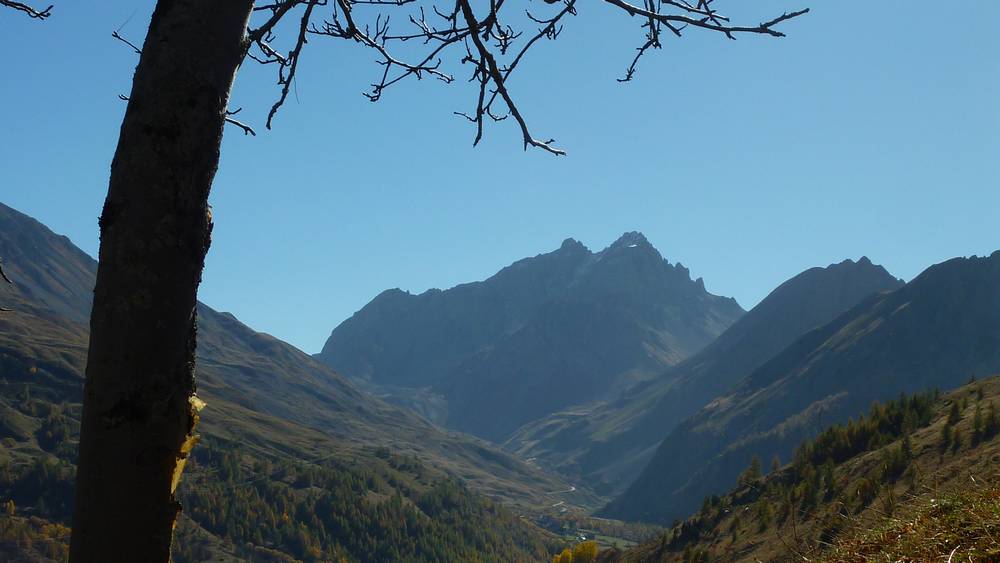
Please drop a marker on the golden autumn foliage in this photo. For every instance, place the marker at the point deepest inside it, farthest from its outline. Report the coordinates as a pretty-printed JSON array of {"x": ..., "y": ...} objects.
[{"x": 584, "y": 552}]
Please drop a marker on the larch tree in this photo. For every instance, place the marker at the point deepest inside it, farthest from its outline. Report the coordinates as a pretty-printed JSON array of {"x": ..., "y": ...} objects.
[{"x": 140, "y": 407}]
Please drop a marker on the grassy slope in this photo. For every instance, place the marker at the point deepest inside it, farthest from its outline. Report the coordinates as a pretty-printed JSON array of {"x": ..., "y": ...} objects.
[
  {"x": 40, "y": 363},
  {"x": 263, "y": 390},
  {"x": 948, "y": 499}
]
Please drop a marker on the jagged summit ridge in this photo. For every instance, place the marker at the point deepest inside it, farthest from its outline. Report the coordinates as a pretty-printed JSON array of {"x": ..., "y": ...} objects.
[
  {"x": 633, "y": 243},
  {"x": 631, "y": 239}
]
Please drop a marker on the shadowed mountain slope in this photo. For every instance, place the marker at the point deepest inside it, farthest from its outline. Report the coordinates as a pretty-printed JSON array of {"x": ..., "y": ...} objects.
[
  {"x": 607, "y": 445},
  {"x": 562, "y": 328},
  {"x": 936, "y": 331},
  {"x": 240, "y": 372}
]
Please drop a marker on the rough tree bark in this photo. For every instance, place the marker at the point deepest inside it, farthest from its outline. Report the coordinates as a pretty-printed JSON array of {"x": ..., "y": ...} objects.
[{"x": 140, "y": 409}]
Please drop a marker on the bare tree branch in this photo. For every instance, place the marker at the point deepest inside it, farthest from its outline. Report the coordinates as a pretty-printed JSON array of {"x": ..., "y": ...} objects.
[
  {"x": 22, "y": 7},
  {"x": 493, "y": 43},
  {"x": 488, "y": 44},
  {"x": 292, "y": 61},
  {"x": 488, "y": 67}
]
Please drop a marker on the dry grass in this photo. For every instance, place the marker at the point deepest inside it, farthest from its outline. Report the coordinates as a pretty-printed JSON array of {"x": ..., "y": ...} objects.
[{"x": 958, "y": 527}]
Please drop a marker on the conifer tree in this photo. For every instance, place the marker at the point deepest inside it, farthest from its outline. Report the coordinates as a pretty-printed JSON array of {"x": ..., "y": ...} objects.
[
  {"x": 977, "y": 424},
  {"x": 946, "y": 436},
  {"x": 954, "y": 415},
  {"x": 752, "y": 472},
  {"x": 956, "y": 440},
  {"x": 992, "y": 424}
]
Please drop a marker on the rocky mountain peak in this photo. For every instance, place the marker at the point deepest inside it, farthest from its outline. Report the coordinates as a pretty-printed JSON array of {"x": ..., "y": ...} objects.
[
  {"x": 572, "y": 245},
  {"x": 634, "y": 241}
]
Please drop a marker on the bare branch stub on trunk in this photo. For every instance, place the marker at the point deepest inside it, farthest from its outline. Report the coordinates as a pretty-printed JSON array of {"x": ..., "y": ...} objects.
[
  {"x": 247, "y": 130},
  {"x": 27, "y": 9},
  {"x": 418, "y": 39}
]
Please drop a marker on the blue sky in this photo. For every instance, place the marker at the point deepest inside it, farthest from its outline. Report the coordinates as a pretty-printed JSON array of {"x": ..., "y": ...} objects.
[{"x": 872, "y": 129}]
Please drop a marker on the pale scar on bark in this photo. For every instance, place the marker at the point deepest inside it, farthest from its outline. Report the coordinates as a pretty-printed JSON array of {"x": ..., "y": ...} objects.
[{"x": 196, "y": 405}]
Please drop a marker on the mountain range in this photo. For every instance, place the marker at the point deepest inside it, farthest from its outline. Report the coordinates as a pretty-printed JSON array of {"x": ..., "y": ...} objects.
[
  {"x": 606, "y": 445},
  {"x": 562, "y": 328},
  {"x": 937, "y": 331}
]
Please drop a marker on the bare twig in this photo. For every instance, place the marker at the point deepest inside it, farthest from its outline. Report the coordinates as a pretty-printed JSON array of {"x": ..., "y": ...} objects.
[
  {"x": 247, "y": 130},
  {"x": 137, "y": 50},
  {"x": 493, "y": 42},
  {"x": 32, "y": 12}
]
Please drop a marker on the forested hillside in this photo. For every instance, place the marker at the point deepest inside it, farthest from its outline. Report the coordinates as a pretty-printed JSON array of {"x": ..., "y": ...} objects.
[
  {"x": 273, "y": 415},
  {"x": 244, "y": 504},
  {"x": 914, "y": 479}
]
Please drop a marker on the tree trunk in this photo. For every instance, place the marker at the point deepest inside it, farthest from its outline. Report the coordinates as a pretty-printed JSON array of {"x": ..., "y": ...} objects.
[{"x": 139, "y": 407}]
